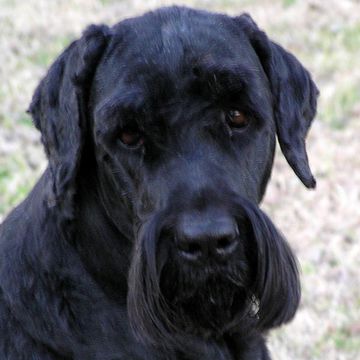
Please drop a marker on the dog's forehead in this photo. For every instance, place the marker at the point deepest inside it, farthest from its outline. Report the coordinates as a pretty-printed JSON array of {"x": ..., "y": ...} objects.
[
  {"x": 181, "y": 31},
  {"x": 167, "y": 44}
]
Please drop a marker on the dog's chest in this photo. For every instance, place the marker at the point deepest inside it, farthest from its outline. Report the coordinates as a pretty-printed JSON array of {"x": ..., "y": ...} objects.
[{"x": 111, "y": 339}]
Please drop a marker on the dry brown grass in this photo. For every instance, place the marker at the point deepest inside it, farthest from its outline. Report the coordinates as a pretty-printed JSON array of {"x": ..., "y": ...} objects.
[{"x": 323, "y": 225}]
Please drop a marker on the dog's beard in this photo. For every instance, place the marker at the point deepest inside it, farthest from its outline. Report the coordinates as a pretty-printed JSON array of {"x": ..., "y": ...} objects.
[
  {"x": 205, "y": 301},
  {"x": 170, "y": 304}
]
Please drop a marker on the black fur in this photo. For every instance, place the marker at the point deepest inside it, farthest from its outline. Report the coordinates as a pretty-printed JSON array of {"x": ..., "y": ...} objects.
[{"x": 90, "y": 266}]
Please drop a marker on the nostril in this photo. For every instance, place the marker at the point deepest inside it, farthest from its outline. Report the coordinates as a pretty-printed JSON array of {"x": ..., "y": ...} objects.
[
  {"x": 226, "y": 245},
  {"x": 189, "y": 249},
  {"x": 193, "y": 248},
  {"x": 223, "y": 243}
]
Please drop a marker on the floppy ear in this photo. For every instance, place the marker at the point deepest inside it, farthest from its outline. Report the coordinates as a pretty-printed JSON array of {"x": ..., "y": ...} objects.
[
  {"x": 294, "y": 95},
  {"x": 58, "y": 109}
]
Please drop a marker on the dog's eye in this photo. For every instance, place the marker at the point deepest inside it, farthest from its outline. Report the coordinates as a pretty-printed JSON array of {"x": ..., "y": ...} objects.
[
  {"x": 236, "y": 119},
  {"x": 131, "y": 138}
]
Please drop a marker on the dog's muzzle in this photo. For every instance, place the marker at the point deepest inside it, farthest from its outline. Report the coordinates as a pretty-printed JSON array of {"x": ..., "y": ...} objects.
[
  {"x": 209, "y": 236},
  {"x": 210, "y": 269}
]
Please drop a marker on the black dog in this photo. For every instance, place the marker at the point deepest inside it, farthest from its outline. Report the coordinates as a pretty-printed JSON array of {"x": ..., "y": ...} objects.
[{"x": 143, "y": 238}]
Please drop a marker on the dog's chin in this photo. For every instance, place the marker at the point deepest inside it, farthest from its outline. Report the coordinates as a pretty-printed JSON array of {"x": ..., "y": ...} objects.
[{"x": 208, "y": 304}]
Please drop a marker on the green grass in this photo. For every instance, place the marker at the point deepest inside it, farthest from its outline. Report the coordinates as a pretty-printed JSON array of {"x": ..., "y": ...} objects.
[
  {"x": 351, "y": 38},
  {"x": 287, "y": 3},
  {"x": 341, "y": 338},
  {"x": 44, "y": 56},
  {"x": 344, "y": 340},
  {"x": 14, "y": 170},
  {"x": 307, "y": 268},
  {"x": 24, "y": 119},
  {"x": 340, "y": 106},
  {"x": 108, "y": 2},
  {"x": 4, "y": 175}
]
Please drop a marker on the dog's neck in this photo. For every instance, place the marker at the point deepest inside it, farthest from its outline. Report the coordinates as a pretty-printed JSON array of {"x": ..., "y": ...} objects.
[{"x": 104, "y": 248}]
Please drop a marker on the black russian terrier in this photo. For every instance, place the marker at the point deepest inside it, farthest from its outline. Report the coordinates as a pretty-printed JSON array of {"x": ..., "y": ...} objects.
[{"x": 143, "y": 238}]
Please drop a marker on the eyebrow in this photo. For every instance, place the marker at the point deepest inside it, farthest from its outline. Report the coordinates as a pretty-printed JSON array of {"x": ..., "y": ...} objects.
[
  {"x": 219, "y": 76},
  {"x": 225, "y": 84},
  {"x": 126, "y": 101},
  {"x": 234, "y": 85}
]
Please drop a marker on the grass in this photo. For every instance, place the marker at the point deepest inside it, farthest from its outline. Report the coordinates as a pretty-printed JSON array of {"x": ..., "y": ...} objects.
[
  {"x": 14, "y": 183},
  {"x": 341, "y": 105},
  {"x": 25, "y": 120},
  {"x": 43, "y": 57},
  {"x": 343, "y": 340},
  {"x": 351, "y": 38},
  {"x": 288, "y": 3}
]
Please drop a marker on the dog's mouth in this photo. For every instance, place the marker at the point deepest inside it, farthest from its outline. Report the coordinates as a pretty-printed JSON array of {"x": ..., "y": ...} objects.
[{"x": 206, "y": 302}]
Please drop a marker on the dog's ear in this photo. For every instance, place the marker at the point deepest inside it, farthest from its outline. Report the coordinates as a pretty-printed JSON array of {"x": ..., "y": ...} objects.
[
  {"x": 294, "y": 96},
  {"x": 58, "y": 108}
]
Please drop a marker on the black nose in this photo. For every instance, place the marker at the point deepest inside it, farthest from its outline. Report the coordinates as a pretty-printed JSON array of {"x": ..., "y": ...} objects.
[{"x": 206, "y": 235}]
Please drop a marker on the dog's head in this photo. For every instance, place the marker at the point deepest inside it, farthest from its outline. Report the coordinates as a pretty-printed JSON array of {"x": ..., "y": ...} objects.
[{"x": 176, "y": 113}]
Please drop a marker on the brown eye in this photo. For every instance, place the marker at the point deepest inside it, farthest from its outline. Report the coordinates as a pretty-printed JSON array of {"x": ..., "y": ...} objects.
[
  {"x": 237, "y": 119},
  {"x": 131, "y": 138}
]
